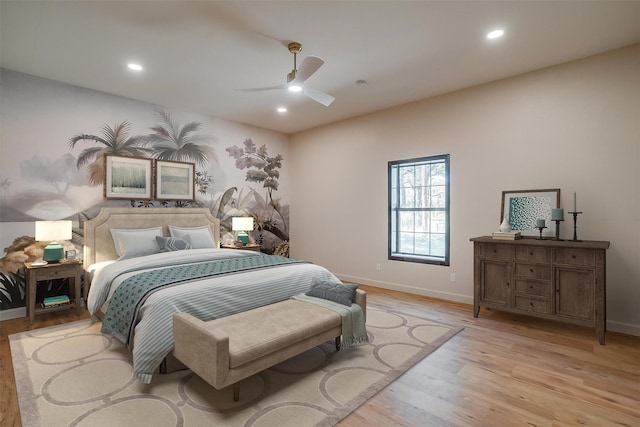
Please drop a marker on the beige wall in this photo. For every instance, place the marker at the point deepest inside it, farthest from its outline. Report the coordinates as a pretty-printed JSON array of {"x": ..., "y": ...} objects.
[{"x": 574, "y": 126}]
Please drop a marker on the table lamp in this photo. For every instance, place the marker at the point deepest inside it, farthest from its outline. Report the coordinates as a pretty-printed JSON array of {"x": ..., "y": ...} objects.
[
  {"x": 242, "y": 224},
  {"x": 53, "y": 232}
]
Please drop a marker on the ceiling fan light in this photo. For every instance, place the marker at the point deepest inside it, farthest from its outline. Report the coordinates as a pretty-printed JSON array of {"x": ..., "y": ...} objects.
[{"x": 295, "y": 88}]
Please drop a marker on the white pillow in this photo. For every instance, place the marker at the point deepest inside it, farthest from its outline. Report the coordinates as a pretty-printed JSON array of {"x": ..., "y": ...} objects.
[
  {"x": 131, "y": 243},
  {"x": 201, "y": 237}
]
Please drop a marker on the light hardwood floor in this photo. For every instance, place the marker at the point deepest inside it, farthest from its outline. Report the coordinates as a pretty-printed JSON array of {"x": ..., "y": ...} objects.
[{"x": 501, "y": 370}]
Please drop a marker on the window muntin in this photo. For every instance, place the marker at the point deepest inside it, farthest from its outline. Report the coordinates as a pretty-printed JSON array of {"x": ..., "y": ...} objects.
[{"x": 419, "y": 210}]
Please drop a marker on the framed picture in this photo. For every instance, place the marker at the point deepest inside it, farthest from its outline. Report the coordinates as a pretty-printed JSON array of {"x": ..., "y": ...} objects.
[
  {"x": 175, "y": 180},
  {"x": 524, "y": 207},
  {"x": 127, "y": 178}
]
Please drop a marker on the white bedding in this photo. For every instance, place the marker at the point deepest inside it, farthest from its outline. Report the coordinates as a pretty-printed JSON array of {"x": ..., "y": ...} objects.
[{"x": 206, "y": 299}]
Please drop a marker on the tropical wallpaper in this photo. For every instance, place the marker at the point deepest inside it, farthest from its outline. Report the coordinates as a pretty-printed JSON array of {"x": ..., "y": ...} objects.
[{"x": 54, "y": 138}]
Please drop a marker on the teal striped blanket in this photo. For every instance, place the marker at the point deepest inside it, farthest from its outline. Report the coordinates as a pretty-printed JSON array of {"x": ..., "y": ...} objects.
[{"x": 123, "y": 311}]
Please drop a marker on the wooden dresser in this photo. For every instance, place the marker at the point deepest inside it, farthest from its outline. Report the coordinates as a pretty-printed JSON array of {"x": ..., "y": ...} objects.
[{"x": 563, "y": 280}]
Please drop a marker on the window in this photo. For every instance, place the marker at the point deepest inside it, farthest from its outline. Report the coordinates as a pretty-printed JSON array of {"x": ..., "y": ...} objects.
[{"x": 419, "y": 210}]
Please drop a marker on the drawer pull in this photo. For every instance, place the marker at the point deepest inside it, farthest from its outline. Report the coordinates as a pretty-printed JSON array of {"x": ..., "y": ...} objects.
[
  {"x": 531, "y": 303},
  {"x": 495, "y": 251},
  {"x": 531, "y": 270},
  {"x": 531, "y": 253},
  {"x": 573, "y": 256}
]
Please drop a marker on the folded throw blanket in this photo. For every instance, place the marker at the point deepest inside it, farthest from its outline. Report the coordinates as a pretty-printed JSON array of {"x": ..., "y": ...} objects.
[{"x": 354, "y": 331}]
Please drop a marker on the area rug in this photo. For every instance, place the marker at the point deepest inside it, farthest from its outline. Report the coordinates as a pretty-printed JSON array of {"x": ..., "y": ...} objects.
[{"x": 72, "y": 375}]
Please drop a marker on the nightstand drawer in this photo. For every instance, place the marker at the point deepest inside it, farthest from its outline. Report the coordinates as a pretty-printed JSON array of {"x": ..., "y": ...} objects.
[{"x": 54, "y": 272}]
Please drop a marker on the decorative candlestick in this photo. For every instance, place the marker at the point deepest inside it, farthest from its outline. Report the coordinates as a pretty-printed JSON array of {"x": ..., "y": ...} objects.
[
  {"x": 575, "y": 225},
  {"x": 540, "y": 228},
  {"x": 557, "y": 221}
]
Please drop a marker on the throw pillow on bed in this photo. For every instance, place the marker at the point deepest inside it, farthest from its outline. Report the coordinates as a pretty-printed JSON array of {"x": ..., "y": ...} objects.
[
  {"x": 342, "y": 293},
  {"x": 170, "y": 244}
]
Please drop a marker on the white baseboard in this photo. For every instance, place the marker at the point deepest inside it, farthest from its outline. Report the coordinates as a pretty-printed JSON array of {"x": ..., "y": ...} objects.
[
  {"x": 13, "y": 313},
  {"x": 449, "y": 296},
  {"x": 623, "y": 328}
]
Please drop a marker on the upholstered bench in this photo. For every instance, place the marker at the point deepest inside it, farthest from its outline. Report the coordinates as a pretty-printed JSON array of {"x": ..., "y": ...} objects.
[{"x": 227, "y": 350}]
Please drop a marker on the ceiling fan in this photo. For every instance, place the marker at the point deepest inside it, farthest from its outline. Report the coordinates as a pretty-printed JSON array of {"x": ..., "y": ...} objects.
[{"x": 297, "y": 77}]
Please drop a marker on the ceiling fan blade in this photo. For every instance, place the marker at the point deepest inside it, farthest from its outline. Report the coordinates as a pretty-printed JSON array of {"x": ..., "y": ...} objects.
[
  {"x": 258, "y": 89},
  {"x": 309, "y": 65},
  {"x": 319, "y": 96}
]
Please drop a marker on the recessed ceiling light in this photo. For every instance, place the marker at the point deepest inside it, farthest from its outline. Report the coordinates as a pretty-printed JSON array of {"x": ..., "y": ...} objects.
[
  {"x": 134, "y": 67},
  {"x": 495, "y": 34},
  {"x": 295, "y": 88},
  {"x": 282, "y": 110}
]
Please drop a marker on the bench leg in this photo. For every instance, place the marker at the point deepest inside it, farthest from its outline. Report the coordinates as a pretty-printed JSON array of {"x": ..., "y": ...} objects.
[
  {"x": 236, "y": 392},
  {"x": 337, "y": 343}
]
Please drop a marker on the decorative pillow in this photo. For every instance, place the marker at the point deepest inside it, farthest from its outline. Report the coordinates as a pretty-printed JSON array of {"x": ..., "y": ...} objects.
[
  {"x": 342, "y": 293},
  {"x": 170, "y": 244},
  {"x": 136, "y": 242},
  {"x": 201, "y": 237}
]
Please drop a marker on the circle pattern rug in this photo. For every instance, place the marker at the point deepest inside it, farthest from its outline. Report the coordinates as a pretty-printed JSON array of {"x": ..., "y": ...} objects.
[{"x": 72, "y": 375}]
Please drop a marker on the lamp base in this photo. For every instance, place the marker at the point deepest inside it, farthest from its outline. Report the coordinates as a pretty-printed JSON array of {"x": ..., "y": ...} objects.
[
  {"x": 243, "y": 237},
  {"x": 53, "y": 252}
]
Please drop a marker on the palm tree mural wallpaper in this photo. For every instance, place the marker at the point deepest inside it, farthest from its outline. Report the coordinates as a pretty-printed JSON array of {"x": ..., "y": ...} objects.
[
  {"x": 115, "y": 141},
  {"x": 69, "y": 174},
  {"x": 172, "y": 141}
]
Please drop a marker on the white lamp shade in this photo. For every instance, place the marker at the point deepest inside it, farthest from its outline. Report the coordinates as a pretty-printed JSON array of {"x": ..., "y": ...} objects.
[
  {"x": 242, "y": 223},
  {"x": 49, "y": 231}
]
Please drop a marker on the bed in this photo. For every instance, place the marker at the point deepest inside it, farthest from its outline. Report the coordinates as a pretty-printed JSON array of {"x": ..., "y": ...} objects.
[{"x": 204, "y": 280}]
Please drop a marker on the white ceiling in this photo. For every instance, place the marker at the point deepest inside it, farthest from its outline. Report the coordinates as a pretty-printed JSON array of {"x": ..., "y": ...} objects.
[{"x": 197, "y": 53}]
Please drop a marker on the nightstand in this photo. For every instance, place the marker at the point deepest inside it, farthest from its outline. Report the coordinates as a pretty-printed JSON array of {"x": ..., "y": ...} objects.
[
  {"x": 250, "y": 247},
  {"x": 71, "y": 271}
]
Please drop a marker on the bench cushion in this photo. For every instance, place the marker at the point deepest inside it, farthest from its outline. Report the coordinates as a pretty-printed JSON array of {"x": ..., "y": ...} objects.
[{"x": 262, "y": 331}]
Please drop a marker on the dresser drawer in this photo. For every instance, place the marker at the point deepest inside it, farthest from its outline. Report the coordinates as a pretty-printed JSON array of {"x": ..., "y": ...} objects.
[
  {"x": 529, "y": 287},
  {"x": 533, "y": 254},
  {"x": 532, "y": 271},
  {"x": 535, "y": 305},
  {"x": 569, "y": 256},
  {"x": 494, "y": 251}
]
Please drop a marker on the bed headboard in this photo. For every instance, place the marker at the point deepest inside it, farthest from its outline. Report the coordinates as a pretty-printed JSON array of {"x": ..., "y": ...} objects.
[{"x": 98, "y": 243}]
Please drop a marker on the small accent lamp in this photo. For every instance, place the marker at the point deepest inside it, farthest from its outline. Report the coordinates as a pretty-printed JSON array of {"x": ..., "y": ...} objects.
[
  {"x": 53, "y": 232},
  {"x": 242, "y": 224}
]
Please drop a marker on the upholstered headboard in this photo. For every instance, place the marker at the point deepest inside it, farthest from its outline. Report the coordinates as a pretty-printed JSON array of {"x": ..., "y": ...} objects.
[{"x": 98, "y": 243}]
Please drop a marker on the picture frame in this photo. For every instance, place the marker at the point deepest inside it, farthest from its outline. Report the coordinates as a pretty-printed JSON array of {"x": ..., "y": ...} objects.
[
  {"x": 524, "y": 207},
  {"x": 174, "y": 180},
  {"x": 127, "y": 177}
]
